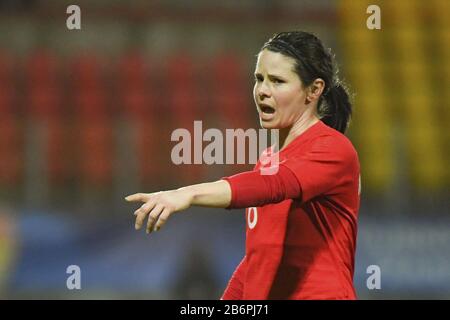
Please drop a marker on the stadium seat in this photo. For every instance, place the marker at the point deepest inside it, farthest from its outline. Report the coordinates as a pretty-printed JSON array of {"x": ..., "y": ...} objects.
[
  {"x": 95, "y": 146},
  {"x": 93, "y": 123},
  {"x": 371, "y": 128},
  {"x": 184, "y": 105},
  {"x": 139, "y": 109},
  {"x": 133, "y": 71},
  {"x": 11, "y": 153},
  {"x": 42, "y": 69},
  {"x": 183, "y": 91},
  {"x": 85, "y": 71},
  {"x": 45, "y": 108},
  {"x": 231, "y": 91},
  {"x": 11, "y": 142}
]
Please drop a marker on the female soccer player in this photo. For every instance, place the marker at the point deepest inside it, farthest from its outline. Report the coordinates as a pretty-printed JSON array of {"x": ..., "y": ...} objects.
[{"x": 302, "y": 220}]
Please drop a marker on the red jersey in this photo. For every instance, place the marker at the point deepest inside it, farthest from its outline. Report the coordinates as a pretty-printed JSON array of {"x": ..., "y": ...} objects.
[{"x": 304, "y": 248}]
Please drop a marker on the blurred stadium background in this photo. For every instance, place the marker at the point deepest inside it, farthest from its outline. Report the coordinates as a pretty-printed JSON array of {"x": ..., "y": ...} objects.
[{"x": 86, "y": 117}]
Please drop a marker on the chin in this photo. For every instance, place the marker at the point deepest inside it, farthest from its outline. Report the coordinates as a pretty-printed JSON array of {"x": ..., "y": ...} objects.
[{"x": 269, "y": 125}]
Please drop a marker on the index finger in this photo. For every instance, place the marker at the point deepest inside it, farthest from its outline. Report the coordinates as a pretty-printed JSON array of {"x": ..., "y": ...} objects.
[{"x": 136, "y": 197}]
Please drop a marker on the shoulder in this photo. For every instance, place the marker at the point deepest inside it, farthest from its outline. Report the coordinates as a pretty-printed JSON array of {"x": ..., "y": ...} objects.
[{"x": 331, "y": 141}]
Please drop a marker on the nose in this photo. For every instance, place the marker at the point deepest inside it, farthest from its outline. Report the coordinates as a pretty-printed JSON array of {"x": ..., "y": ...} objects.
[{"x": 262, "y": 90}]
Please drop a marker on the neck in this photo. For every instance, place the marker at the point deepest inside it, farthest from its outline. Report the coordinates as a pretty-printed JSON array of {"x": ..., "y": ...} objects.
[{"x": 287, "y": 135}]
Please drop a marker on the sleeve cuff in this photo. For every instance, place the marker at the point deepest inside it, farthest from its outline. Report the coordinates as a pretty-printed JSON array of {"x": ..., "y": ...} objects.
[{"x": 233, "y": 193}]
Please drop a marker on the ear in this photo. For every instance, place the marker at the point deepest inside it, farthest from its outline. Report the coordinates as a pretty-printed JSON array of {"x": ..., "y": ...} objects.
[{"x": 315, "y": 89}]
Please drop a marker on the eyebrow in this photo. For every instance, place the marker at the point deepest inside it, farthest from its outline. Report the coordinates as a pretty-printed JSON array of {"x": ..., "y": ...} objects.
[{"x": 269, "y": 75}]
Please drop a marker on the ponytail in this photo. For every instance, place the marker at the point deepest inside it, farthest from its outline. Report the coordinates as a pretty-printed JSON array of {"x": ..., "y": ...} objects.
[{"x": 335, "y": 111}]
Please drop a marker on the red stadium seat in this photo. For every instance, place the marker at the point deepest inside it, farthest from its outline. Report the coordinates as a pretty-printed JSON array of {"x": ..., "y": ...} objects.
[
  {"x": 42, "y": 69},
  {"x": 44, "y": 106},
  {"x": 183, "y": 91},
  {"x": 133, "y": 72},
  {"x": 86, "y": 72},
  {"x": 231, "y": 99},
  {"x": 146, "y": 126},
  {"x": 11, "y": 164},
  {"x": 44, "y": 103},
  {"x": 93, "y": 125},
  {"x": 7, "y": 84},
  {"x": 11, "y": 142},
  {"x": 6, "y": 100},
  {"x": 58, "y": 153},
  {"x": 43, "y": 98},
  {"x": 231, "y": 92},
  {"x": 6, "y": 68},
  {"x": 139, "y": 108},
  {"x": 95, "y": 153},
  {"x": 91, "y": 105},
  {"x": 133, "y": 85},
  {"x": 185, "y": 106}
]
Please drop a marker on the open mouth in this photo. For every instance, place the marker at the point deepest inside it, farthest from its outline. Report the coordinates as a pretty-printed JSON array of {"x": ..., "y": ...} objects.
[{"x": 266, "y": 109}]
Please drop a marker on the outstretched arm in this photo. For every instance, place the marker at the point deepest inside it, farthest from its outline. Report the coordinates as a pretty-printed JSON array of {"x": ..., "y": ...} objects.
[
  {"x": 247, "y": 189},
  {"x": 160, "y": 205}
]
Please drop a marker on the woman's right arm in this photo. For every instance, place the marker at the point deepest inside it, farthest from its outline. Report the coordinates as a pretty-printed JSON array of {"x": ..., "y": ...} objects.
[
  {"x": 158, "y": 206},
  {"x": 212, "y": 194},
  {"x": 247, "y": 189}
]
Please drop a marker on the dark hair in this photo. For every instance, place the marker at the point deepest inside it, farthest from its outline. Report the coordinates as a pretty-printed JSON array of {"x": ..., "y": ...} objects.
[{"x": 313, "y": 61}]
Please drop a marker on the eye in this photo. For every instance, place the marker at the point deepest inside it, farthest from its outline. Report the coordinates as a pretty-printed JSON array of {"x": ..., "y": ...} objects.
[
  {"x": 276, "y": 80},
  {"x": 258, "y": 78}
]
